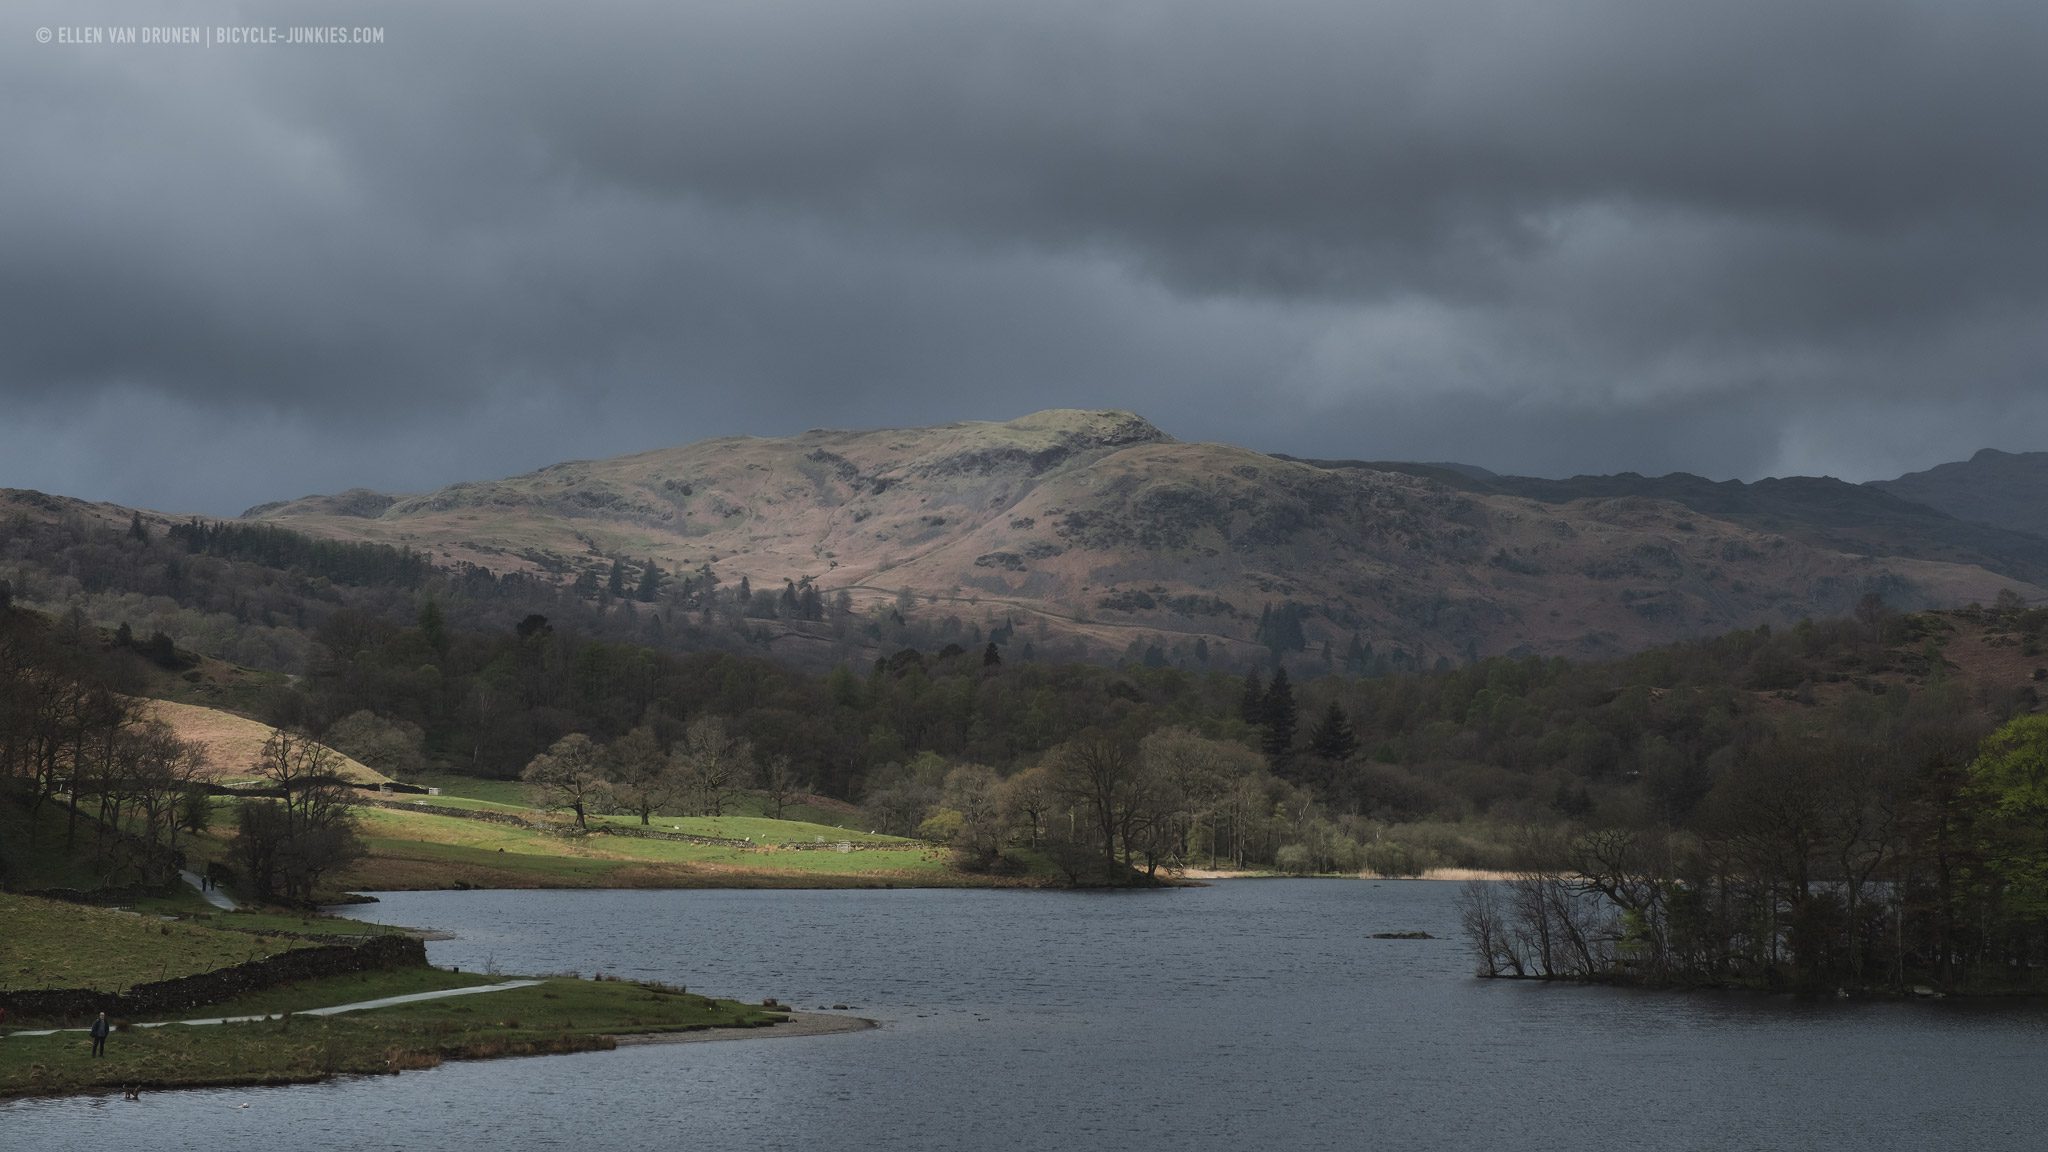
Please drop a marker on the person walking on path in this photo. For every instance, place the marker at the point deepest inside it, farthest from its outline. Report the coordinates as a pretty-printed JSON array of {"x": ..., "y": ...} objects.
[{"x": 99, "y": 1035}]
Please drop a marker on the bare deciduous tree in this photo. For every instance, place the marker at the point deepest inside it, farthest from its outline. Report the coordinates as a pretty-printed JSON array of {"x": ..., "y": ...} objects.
[
  {"x": 779, "y": 783},
  {"x": 309, "y": 832},
  {"x": 569, "y": 775},
  {"x": 643, "y": 780},
  {"x": 1028, "y": 799},
  {"x": 975, "y": 793},
  {"x": 1100, "y": 773},
  {"x": 713, "y": 762}
]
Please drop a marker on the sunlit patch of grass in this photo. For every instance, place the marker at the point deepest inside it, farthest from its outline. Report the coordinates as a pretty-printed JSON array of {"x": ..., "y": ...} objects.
[{"x": 422, "y": 850}]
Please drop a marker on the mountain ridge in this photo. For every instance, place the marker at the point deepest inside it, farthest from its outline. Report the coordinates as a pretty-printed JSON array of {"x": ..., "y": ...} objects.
[
  {"x": 1868, "y": 519},
  {"x": 2006, "y": 489},
  {"x": 1102, "y": 528}
]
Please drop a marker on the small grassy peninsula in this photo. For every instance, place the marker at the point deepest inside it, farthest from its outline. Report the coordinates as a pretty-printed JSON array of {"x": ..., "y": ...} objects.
[{"x": 59, "y": 963}]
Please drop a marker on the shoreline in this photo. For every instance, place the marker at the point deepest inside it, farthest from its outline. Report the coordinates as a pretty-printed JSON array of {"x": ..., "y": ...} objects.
[
  {"x": 1206, "y": 874},
  {"x": 798, "y": 1024}
]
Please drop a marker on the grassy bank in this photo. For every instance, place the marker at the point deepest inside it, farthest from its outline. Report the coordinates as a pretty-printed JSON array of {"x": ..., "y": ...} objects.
[
  {"x": 558, "y": 1015},
  {"x": 46, "y": 944}
]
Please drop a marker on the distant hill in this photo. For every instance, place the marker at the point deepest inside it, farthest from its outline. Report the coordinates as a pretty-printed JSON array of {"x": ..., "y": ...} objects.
[
  {"x": 2006, "y": 489},
  {"x": 1098, "y": 527},
  {"x": 1864, "y": 519},
  {"x": 354, "y": 502}
]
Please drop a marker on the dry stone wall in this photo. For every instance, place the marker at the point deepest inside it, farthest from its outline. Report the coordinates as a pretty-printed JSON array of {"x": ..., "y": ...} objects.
[{"x": 187, "y": 992}]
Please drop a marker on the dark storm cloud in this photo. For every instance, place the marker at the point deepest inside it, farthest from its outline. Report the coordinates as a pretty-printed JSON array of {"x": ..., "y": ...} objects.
[{"x": 1551, "y": 236}]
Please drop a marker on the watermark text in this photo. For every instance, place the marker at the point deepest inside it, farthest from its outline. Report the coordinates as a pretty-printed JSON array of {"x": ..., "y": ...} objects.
[{"x": 210, "y": 35}]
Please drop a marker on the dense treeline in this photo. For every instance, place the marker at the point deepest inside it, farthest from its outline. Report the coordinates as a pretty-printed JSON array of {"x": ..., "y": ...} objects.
[
  {"x": 75, "y": 738},
  {"x": 252, "y": 593},
  {"x": 1892, "y": 852},
  {"x": 71, "y": 735},
  {"x": 487, "y": 703},
  {"x": 923, "y": 740},
  {"x": 365, "y": 565},
  {"x": 1890, "y": 837},
  {"x": 483, "y": 674},
  {"x": 1396, "y": 773},
  {"x": 1527, "y": 740}
]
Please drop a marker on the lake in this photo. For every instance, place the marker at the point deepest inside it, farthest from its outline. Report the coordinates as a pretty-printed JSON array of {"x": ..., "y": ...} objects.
[{"x": 1247, "y": 1015}]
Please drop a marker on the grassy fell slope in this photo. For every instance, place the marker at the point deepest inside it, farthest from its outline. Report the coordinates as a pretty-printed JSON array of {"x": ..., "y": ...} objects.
[
  {"x": 1107, "y": 529},
  {"x": 234, "y": 743}
]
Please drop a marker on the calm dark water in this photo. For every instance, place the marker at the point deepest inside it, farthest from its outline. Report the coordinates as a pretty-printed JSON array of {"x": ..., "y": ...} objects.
[{"x": 1249, "y": 1015}]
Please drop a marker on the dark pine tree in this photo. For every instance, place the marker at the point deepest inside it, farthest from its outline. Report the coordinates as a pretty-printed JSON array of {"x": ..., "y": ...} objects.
[
  {"x": 1253, "y": 707},
  {"x": 433, "y": 629},
  {"x": 160, "y": 651},
  {"x": 990, "y": 658},
  {"x": 617, "y": 584},
  {"x": 1281, "y": 720},
  {"x": 650, "y": 583},
  {"x": 136, "y": 528},
  {"x": 1332, "y": 738}
]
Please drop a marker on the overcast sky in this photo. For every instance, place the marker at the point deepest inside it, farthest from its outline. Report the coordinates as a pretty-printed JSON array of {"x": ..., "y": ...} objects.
[{"x": 1739, "y": 238}]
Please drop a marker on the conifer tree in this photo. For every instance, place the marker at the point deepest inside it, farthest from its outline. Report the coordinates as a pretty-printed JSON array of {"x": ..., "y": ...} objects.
[
  {"x": 1253, "y": 707},
  {"x": 433, "y": 629},
  {"x": 1281, "y": 720},
  {"x": 650, "y": 583},
  {"x": 1332, "y": 739}
]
